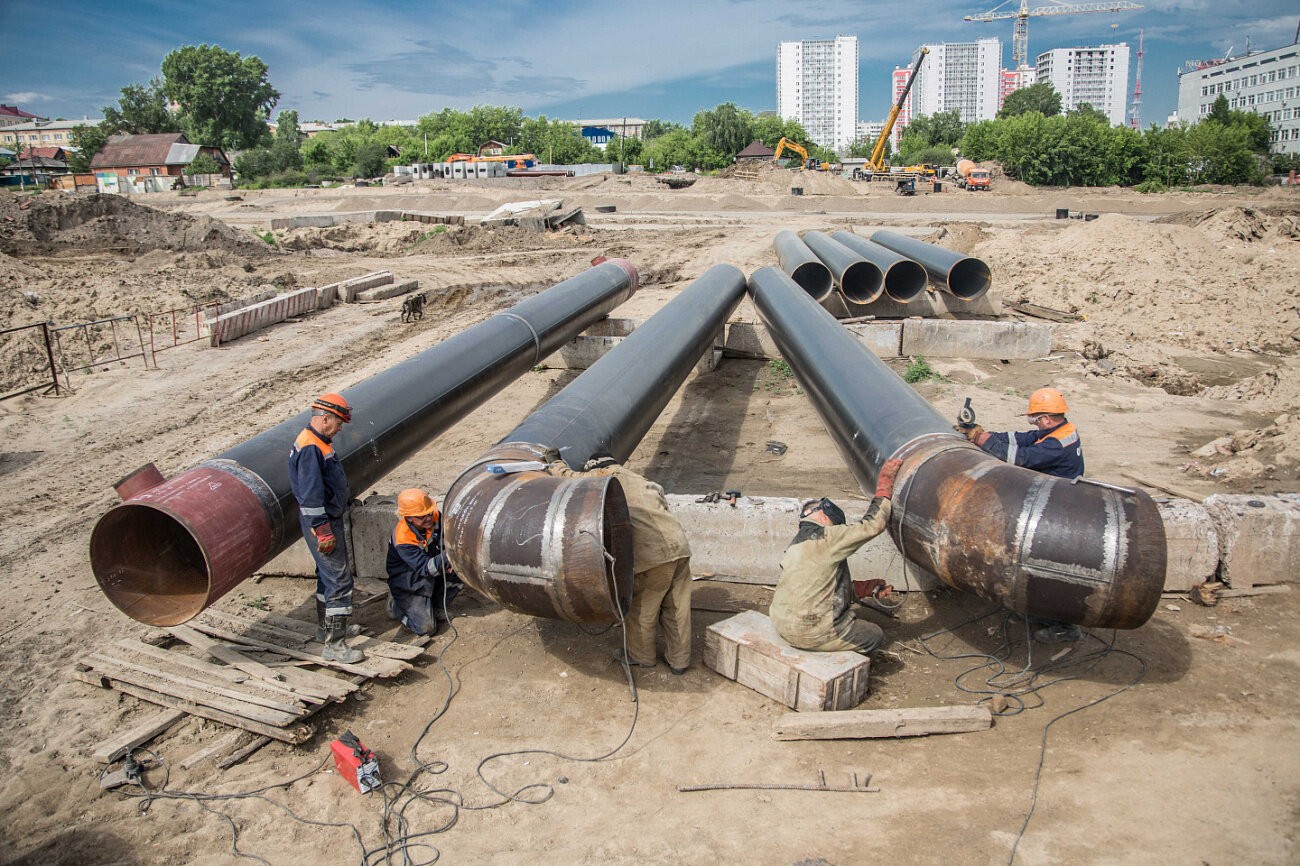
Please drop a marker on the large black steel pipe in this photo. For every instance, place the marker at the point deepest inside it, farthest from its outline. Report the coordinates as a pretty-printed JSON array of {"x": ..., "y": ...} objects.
[
  {"x": 904, "y": 279},
  {"x": 173, "y": 548},
  {"x": 803, "y": 266},
  {"x": 860, "y": 281},
  {"x": 561, "y": 547},
  {"x": 1075, "y": 551},
  {"x": 963, "y": 277}
]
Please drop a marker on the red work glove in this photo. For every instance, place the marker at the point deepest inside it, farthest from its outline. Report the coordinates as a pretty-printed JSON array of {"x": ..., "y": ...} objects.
[
  {"x": 325, "y": 540},
  {"x": 874, "y": 588},
  {"x": 885, "y": 483}
]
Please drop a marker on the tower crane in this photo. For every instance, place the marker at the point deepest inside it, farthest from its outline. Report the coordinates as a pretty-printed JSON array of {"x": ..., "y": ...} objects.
[{"x": 1020, "y": 37}]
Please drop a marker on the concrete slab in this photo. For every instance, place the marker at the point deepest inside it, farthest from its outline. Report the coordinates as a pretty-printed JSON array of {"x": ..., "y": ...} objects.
[
  {"x": 1192, "y": 542},
  {"x": 953, "y": 338},
  {"x": 591, "y": 345},
  {"x": 349, "y": 289},
  {"x": 381, "y": 293},
  {"x": 1259, "y": 538},
  {"x": 884, "y": 339},
  {"x": 261, "y": 315}
]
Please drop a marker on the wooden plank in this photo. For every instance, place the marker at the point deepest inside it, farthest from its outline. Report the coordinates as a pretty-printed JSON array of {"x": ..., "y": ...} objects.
[
  {"x": 165, "y": 669},
  {"x": 1253, "y": 590},
  {"x": 1164, "y": 488},
  {"x": 860, "y": 724},
  {"x": 112, "y": 749},
  {"x": 298, "y": 733},
  {"x": 372, "y": 667},
  {"x": 214, "y": 748},
  {"x": 225, "y": 654},
  {"x": 225, "y": 673},
  {"x": 240, "y": 754},
  {"x": 371, "y": 645},
  {"x": 158, "y": 682}
]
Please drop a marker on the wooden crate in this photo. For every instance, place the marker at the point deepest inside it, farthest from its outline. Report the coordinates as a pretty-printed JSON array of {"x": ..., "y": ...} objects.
[{"x": 747, "y": 649}]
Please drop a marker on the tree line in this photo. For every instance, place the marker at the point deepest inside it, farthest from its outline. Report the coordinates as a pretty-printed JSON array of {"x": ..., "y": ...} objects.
[{"x": 220, "y": 98}]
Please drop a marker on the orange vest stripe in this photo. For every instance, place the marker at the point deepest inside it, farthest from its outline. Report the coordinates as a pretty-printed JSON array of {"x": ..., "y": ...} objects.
[{"x": 309, "y": 437}]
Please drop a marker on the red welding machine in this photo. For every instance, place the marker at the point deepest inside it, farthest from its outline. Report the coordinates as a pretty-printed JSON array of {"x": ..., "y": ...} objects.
[{"x": 355, "y": 763}]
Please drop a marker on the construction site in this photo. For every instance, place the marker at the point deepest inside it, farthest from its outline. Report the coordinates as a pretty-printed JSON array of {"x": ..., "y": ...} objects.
[{"x": 167, "y": 702}]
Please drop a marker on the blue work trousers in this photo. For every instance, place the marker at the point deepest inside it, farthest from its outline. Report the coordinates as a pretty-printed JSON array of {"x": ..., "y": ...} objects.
[{"x": 333, "y": 574}]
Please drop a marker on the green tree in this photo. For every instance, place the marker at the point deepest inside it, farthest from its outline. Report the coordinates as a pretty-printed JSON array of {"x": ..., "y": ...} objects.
[
  {"x": 725, "y": 130},
  {"x": 676, "y": 147},
  {"x": 1085, "y": 110},
  {"x": 286, "y": 149},
  {"x": 944, "y": 127},
  {"x": 655, "y": 128},
  {"x": 141, "y": 110},
  {"x": 1258, "y": 131},
  {"x": 771, "y": 129},
  {"x": 369, "y": 159},
  {"x": 224, "y": 99},
  {"x": 982, "y": 140},
  {"x": 1041, "y": 97},
  {"x": 88, "y": 139},
  {"x": 204, "y": 163}
]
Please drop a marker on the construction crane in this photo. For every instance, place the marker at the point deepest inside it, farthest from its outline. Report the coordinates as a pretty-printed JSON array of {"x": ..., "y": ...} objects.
[
  {"x": 877, "y": 162},
  {"x": 1020, "y": 37}
]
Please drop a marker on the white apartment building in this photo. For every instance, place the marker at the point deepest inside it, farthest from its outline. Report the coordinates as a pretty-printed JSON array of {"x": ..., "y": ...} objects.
[
  {"x": 1267, "y": 82},
  {"x": 962, "y": 76},
  {"x": 869, "y": 130},
  {"x": 1096, "y": 75},
  {"x": 817, "y": 85}
]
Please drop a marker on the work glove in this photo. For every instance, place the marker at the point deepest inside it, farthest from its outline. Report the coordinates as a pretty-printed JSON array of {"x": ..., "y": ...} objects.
[
  {"x": 885, "y": 483},
  {"x": 874, "y": 588},
  {"x": 325, "y": 540},
  {"x": 974, "y": 434}
]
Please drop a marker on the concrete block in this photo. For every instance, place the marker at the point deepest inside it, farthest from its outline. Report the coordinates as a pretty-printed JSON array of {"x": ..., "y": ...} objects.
[
  {"x": 1259, "y": 538},
  {"x": 350, "y": 288},
  {"x": 745, "y": 543},
  {"x": 953, "y": 338},
  {"x": 369, "y": 526},
  {"x": 1192, "y": 542},
  {"x": 929, "y": 304},
  {"x": 262, "y": 315},
  {"x": 380, "y": 293},
  {"x": 749, "y": 340},
  {"x": 590, "y": 346},
  {"x": 327, "y": 296},
  {"x": 883, "y": 339}
]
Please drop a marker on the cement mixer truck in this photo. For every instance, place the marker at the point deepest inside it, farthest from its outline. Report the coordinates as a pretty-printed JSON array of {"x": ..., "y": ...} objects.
[{"x": 971, "y": 176}]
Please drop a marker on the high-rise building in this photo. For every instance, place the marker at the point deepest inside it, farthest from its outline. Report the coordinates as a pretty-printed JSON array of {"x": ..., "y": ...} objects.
[
  {"x": 1097, "y": 76},
  {"x": 817, "y": 85},
  {"x": 966, "y": 77},
  {"x": 1266, "y": 82}
]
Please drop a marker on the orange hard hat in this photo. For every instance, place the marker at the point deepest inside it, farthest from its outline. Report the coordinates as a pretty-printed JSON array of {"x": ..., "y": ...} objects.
[
  {"x": 1046, "y": 401},
  {"x": 414, "y": 502},
  {"x": 333, "y": 404}
]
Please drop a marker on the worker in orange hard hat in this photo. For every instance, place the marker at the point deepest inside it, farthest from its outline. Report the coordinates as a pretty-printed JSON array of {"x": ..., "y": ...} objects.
[
  {"x": 1053, "y": 448},
  {"x": 321, "y": 488},
  {"x": 421, "y": 582}
]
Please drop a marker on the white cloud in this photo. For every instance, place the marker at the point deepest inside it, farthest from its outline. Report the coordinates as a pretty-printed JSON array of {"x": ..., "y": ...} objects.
[{"x": 28, "y": 96}]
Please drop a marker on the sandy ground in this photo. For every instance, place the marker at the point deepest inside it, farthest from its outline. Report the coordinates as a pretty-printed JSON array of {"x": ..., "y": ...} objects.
[{"x": 1187, "y": 307}]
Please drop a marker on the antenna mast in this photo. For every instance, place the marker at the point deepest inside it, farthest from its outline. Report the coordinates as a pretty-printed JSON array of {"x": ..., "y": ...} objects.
[{"x": 1135, "y": 107}]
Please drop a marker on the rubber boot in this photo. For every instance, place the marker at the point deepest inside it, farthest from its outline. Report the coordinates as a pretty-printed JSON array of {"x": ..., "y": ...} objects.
[
  {"x": 336, "y": 650},
  {"x": 322, "y": 634}
]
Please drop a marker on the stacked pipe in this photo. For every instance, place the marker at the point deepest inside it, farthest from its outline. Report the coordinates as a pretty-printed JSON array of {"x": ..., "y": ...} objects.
[
  {"x": 964, "y": 277},
  {"x": 1074, "y": 551},
  {"x": 173, "y": 547},
  {"x": 561, "y": 547}
]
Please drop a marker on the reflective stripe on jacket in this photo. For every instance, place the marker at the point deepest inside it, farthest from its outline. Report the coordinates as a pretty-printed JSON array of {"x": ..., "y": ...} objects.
[
  {"x": 1055, "y": 452},
  {"x": 316, "y": 478}
]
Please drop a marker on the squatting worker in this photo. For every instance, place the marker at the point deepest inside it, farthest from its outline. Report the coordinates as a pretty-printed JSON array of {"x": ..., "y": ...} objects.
[
  {"x": 1053, "y": 448},
  {"x": 661, "y": 562},
  {"x": 812, "y": 607},
  {"x": 421, "y": 583},
  {"x": 321, "y": 488}
]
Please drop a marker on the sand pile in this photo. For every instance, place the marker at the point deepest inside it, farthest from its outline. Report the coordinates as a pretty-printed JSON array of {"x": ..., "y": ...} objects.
[
  {"x": 1271, "y": 451},
  {"x": 48, "y": 223},
  {"x": 1137, "y": 283}
]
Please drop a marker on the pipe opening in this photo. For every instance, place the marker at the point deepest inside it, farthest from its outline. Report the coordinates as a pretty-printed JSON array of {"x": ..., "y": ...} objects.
[
  {"x": 149, "y": 565},
  {"x": 969, "y": 279},
  {"x": 905, "y": 280},
  {"x": 862, "y": 282},
  {"x": 814, "y": 278}
]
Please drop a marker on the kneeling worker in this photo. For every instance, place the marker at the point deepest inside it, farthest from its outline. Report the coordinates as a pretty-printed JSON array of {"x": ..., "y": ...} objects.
[
  {"x": 421, "y": 584},
  {"x": 661, "y": 563},
  {"x": 812, "y": 607}
]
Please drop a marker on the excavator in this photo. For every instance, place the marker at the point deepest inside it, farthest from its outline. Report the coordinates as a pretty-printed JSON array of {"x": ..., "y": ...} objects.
[
  {"x": 808, "y": 164},
  {"x": 876, "y": 164}
]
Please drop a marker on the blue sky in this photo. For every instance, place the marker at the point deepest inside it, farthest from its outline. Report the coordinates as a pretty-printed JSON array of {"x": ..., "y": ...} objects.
[{"x": 399, "y": 59}]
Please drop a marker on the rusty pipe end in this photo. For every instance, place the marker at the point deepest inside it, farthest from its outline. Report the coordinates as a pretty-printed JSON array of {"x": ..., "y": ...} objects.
[
  {"x": 539, "y": 544},
  {"x": 904, "y": 280},
  {"x": 139, "y": 481},
  {"x": 969, "y": 279},
  {"x": 629, "y": 269},
  {"x": 1074, "y": 551},
  {"x": 862, "y": 282},
  {"x": 174, "y": 548}
]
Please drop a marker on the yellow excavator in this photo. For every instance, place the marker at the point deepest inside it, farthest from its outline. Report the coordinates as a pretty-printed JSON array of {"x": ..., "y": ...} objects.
[{"x": 808, "y": 163}]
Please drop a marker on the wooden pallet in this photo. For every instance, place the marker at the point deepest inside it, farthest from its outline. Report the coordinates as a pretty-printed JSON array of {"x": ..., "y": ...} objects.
[{"x": 250, "y": 674}]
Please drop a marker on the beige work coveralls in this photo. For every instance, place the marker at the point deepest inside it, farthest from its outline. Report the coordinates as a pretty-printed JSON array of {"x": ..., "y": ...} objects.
[
  {"x": 661, "y": 561},
  {"x": 812, "y": 607}
]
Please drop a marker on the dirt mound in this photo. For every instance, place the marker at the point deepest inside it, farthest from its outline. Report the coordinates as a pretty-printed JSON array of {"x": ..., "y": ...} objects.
[
  {"x": 1138, "y": 283},
  {"x": 959, "y": 237},
  {"x": 1248, "y": 224},
  {"x": 50, "y": 223},
  {"x": 1269, "y": 452}
]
